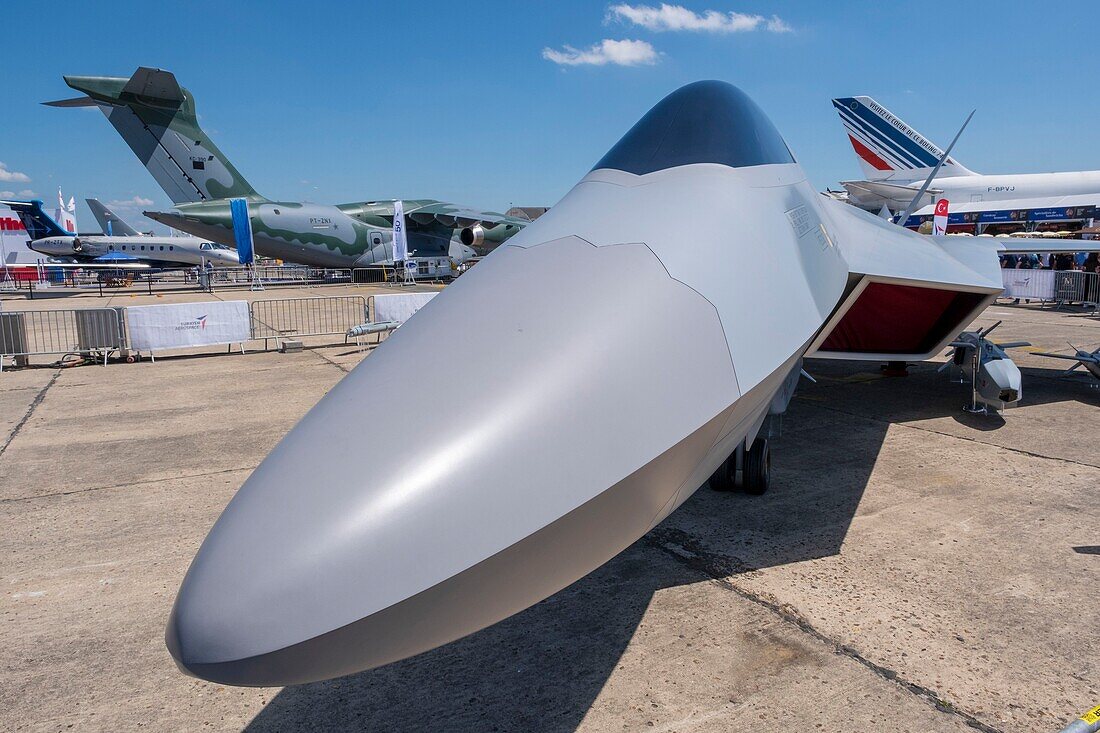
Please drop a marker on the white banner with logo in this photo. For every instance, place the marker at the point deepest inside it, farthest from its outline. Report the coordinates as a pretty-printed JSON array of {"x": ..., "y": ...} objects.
[
  {"x": 400, "y": 244},
  {"x": 154, "y": 327},
  {"x": 1034, "y": 284},
  {"x": 400, "y": 306}
]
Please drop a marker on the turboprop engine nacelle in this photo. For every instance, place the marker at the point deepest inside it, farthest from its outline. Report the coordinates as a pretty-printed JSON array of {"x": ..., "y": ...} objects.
[{"x": 473, "y": 236}]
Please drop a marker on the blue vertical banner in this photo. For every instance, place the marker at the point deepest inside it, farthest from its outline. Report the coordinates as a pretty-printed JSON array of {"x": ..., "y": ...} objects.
[{"x": 242, "y": 229}]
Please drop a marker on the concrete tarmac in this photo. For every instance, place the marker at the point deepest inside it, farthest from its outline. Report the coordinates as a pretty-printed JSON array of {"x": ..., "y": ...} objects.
[{"x": 913, "y": 568}]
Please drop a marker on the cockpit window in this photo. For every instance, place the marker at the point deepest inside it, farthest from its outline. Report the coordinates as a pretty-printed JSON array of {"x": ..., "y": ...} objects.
[{"x": 704, "y": 122}]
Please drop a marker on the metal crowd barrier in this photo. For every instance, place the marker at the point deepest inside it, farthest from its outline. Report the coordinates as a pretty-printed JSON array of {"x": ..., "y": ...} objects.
[
  {"x": 1072, "y": 286},
  {"x": 290, "y": 317},
  {"x": 281, "y": 275},
  {"x": 373, "y": 275},
  {"x": 86, "y": 331},
  {"x": 389, "y": 275}
]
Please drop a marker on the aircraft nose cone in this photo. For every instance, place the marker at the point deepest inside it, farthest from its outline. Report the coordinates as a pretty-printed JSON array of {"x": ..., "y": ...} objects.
[
  {"x": 510, "y": 438},
  {"x": 1000, "y": 380}
]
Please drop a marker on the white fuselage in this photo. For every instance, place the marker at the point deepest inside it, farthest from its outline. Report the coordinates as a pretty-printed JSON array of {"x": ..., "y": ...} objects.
[
  {"x": 1015, "y": 186},
  {"x": 168, "y": 251},
  {"x": 979, "y": 193}
]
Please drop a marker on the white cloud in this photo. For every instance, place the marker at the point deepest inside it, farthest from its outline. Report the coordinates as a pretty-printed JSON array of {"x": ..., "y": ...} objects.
[
  {"x": 131, "y": 203},
  {"x": 678, "y": 18},
  {"x": 26, "y": 193},
  {"x": 12, "y": 176},
  {"x": 607, "y": 51}
]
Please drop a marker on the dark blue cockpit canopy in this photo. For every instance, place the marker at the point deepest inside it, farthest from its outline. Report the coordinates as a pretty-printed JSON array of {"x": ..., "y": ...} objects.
[{"x": 704, "y": 122}]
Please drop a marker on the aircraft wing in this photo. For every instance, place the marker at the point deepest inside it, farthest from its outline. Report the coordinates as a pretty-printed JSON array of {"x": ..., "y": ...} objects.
[
  {"x": 94, "y": 265},
  {"x": 451, "y": 216},
  {"x": 1029, "y": 245},
  {"x": 1016, "y": 205},
  {"x": 1069, "y": 357},
  {"x": 886, "y": 190}
]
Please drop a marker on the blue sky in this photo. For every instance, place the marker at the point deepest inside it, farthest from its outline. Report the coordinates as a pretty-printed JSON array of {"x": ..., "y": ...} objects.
[{"x": 473, "y": 103}]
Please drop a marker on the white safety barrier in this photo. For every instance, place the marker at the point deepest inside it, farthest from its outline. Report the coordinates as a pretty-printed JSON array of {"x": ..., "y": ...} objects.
[
  {"x": 398, "y": 307},
  {"x": 156, "y": 327},
  {"x": 1030, "y": 284}
]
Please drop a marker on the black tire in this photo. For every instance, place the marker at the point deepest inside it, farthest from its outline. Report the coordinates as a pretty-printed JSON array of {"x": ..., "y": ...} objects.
[
  {"x": 723, "y": 479},
  {"x": 758, "y": 467}
]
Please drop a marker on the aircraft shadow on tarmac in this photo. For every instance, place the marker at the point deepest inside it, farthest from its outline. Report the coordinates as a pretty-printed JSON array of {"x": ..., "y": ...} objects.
[{"x": 543, "y": 668}]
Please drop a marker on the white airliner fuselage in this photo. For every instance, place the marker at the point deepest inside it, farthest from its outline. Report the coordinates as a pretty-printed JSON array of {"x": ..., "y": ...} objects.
[{"x": 999, "y": 187}]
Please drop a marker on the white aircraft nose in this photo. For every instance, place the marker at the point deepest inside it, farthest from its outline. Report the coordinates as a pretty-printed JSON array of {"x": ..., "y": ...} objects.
[
  {"x": 402, "y": 513},
  {"x": 999, "y": 380}
]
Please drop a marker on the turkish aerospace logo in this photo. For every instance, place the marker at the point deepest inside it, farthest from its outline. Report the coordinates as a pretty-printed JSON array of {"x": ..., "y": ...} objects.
[{"x": 194, "y": 324}]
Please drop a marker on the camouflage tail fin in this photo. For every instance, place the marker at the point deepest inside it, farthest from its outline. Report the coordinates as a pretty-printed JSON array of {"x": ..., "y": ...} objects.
[{"x": 156, "y": 117}]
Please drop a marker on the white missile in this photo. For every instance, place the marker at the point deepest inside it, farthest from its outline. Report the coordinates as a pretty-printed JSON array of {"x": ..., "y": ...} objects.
[{"x": 625, "y": 343}]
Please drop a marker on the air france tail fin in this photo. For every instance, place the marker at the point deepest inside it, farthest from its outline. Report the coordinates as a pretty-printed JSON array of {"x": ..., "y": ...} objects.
[
  {"x": 156, "y": 117},
  {"x": 35, "y": 220},
  {"x": 109, "y": 222},
  {"x": 889, "y": 149}
]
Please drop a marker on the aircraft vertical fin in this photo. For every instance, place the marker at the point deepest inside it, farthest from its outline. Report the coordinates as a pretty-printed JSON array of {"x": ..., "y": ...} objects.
[
  {"x": 888, "y": 148},
  {"x": 157, "y": 119},
  {"x": 35, "y": 220},
  {"x": 109, "y": 222}
]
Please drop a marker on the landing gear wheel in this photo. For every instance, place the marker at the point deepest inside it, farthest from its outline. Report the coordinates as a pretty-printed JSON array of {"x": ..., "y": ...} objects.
[
  {"x": 723, "y": 479},
  {"x": 758, "y": 467}
]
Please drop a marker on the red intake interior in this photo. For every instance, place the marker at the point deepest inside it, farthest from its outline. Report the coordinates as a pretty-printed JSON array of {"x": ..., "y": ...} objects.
[{"x": 900, "y": 319}]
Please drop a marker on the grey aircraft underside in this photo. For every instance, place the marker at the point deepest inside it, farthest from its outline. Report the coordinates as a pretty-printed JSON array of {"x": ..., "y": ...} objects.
[{"x": 579, "y": 435}]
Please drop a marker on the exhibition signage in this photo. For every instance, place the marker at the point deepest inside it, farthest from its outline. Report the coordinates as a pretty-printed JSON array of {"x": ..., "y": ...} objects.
[
  {"x": 154, "y": 327},
  {"x": 399, "y": 307},
  {"x": 400, "y": 245},
  {"x": 939, "y": 221},
  {"x": 242, "y": 229},
  {"x": 1034, "y": 284}
]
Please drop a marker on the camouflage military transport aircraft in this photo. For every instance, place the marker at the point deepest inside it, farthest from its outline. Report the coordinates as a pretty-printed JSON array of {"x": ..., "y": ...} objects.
[{"x": 157, "y": 119}]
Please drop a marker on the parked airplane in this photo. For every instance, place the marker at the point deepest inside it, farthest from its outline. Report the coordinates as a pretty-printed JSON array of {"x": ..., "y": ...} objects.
[
  {"x": 578, "y": 436},
  {"x": 157, "y": 119},
  {"x": 1090, "y": 360},
  {"x": 49, "y": 238},
  {"x": 896, "y": 159}
]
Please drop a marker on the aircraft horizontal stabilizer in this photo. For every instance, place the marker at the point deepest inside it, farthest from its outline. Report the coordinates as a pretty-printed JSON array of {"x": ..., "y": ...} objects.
[{"x": 74, "y": 102}]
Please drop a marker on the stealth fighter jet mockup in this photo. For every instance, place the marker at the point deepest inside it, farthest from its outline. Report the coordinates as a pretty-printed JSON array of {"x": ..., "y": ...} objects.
[{"x": 350, "y": 548}]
